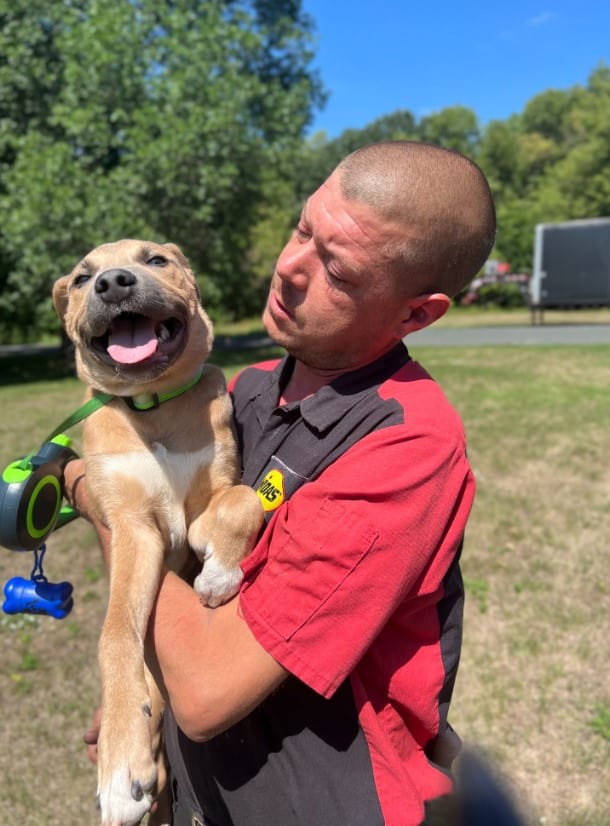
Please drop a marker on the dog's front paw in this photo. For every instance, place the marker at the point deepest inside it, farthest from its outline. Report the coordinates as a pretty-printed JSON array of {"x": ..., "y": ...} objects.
[
  {"x": 216, "y": 583},
  {"x": 124, "y": 801}
]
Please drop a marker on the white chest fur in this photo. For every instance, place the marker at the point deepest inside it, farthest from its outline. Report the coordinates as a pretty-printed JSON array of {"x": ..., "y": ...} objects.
[{"x": 165, "y": 477}]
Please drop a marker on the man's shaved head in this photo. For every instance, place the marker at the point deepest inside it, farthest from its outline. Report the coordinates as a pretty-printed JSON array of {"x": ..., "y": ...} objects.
[{"x": 439, "y": 199}]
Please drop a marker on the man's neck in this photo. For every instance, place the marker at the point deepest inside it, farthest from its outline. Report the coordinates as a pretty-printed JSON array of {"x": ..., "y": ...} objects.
[{"x": 306, "y": 381}]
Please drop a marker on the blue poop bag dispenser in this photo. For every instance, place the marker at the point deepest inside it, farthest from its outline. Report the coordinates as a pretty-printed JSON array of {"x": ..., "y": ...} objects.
[
  {"x": 31, "y": 492},
  {"x": 37, "y": 595}
]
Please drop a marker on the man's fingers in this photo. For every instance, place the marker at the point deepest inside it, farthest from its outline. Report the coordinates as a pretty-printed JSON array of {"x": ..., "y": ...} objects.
[
  {"x": 91, "y": 735},
  {"x": 74, "y": 477}
]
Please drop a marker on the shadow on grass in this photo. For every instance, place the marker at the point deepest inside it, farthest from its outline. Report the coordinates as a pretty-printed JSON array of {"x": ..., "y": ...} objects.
[{"x": 33, "y": 364}]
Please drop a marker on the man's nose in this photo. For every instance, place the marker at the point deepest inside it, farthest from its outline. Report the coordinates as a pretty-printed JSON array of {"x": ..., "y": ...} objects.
[{"x": 295, "y": 263}]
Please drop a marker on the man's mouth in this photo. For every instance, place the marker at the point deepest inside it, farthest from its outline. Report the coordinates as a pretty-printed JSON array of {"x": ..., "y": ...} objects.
[
  {"x": 280, "y": 307},
  {"x": 132, "y": 338}
]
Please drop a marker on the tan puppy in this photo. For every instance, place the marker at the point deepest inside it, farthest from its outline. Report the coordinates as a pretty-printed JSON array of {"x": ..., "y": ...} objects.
[{"x": 162, "y": 472}]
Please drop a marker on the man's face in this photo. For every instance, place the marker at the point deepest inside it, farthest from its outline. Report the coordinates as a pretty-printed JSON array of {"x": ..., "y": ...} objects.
[{"x": 333, "y": 303}]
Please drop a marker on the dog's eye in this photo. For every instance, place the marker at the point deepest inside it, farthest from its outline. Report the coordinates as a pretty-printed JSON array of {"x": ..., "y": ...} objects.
[
  {"x": 81, "y": 279},
  {"x": 157, "y": 261}
]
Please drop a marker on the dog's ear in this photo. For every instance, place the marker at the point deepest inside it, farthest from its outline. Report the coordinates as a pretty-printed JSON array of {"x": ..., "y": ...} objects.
[
  {"x": 179, "y": 254},
  {"x": 60, "y": 295},
  {"x": 184, "y": 261}
]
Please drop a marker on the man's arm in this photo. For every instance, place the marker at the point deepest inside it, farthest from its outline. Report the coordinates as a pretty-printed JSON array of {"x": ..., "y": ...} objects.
[
  {"x": 207, "y": 661},
  {"x": 214, "y": 672}
]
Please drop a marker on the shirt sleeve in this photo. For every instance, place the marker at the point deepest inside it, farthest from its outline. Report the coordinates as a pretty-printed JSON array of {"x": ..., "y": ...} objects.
[{"x": 377, "y": 530}]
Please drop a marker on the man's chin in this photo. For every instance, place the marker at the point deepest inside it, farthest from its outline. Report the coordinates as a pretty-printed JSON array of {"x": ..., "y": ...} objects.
[
  {"x": 307, "y": 352},
  {"x": 275, "y": 333},
  {"x": 283, "y": 339}
]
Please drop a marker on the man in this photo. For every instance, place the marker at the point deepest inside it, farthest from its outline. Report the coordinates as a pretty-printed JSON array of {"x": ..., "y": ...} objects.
[{"x": 319, "y": 695}]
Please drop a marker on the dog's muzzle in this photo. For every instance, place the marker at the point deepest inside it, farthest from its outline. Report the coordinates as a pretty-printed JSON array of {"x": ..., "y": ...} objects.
[
  {"x": 114, "y": 286},
  {"x": 133, "y": 323}
]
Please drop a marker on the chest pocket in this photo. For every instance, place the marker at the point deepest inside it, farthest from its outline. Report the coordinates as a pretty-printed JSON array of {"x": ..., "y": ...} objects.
[{"x": 316, "y": 551}]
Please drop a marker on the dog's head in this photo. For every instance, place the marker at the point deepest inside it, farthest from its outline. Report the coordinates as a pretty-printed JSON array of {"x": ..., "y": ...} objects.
[{"x": 132, "y": 310}]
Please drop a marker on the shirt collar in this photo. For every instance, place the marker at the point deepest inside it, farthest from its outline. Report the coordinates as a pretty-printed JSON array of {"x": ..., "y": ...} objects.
[{"x": 326, "y": 407}]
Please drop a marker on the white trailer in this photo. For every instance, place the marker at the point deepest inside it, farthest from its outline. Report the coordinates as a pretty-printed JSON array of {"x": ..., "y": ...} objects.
[{"x": 571, "y": 265}]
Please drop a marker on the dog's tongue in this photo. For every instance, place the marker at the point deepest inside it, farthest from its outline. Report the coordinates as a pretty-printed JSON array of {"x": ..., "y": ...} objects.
[{"x": 132, "y": 340}]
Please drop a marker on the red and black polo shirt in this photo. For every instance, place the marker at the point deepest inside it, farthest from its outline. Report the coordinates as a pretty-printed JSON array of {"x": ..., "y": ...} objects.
[{"x": 354, "y": 587}]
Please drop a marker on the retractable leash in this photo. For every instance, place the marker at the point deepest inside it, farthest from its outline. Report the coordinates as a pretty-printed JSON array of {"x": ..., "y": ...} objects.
[{"x": 31, "y": 493}]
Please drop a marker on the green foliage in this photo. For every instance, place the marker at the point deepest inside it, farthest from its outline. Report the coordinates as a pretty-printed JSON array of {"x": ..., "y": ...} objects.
[
  {"x": 144, "y": 119},
  {"x": 501, "y": 295},
  {"x": 601, "y": 721},
  {"x": 549, "y": 164},
  {"x": 183, "y": 120},
  {"x": 455, "y": 127},
  {"x": 319, "y": 156}
]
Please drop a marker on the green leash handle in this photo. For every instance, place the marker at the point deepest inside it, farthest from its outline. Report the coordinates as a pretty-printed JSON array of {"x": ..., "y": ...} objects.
[{"x": 32, "y": 490}]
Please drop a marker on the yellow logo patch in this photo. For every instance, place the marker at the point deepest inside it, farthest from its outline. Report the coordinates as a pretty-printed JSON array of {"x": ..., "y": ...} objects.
[{"x": 271, "y": 490}]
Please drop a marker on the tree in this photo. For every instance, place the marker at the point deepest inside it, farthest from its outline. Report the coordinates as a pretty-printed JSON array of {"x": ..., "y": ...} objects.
[
  {"x": 320, "y": 156},
  {"x": 164, "y": 120},
  {"x": 545, "y": 114},
  {"x": 455, "y": 127},
  {"x": 578, "y": 184},
  {"x": 552, "y": 163},
  {"x": 499, "y": 154}
]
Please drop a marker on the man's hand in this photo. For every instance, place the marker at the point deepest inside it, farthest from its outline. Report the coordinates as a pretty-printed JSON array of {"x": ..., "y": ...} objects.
[
  {"x": 75, "y": 489},
  {"x": 91, "y": 735}
]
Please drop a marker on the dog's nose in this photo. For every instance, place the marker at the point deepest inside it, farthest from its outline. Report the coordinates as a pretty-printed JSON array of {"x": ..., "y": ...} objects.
[{"x": 114, "y": 285}]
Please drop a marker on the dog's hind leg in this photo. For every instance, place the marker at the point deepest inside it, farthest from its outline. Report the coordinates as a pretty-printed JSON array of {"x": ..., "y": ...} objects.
[{"x": 127, "y": 773}]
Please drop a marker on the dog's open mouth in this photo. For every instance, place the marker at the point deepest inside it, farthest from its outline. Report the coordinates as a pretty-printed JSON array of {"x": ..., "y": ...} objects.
[{"x": 132, "y": 338}]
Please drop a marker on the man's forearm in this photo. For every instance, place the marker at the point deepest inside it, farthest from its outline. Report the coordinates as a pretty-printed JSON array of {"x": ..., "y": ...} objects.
[{"x": 212, "y": 669}]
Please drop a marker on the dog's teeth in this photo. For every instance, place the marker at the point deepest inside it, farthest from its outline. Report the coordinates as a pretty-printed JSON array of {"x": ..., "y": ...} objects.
[{"x": 163, "y": 333}]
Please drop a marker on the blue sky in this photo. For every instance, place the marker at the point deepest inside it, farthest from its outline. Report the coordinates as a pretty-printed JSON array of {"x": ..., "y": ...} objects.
[{"x": 376, "y": 57}]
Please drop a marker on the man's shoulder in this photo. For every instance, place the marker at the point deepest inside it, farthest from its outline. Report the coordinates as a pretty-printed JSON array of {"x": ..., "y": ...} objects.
[
  {"x": 410, "y": 381},
  {"x": 253, "y": 373},
  {"x": 420, "y": 396}
]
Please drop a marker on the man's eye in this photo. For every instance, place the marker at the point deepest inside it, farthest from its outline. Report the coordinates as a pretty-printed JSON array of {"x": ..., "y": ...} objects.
[
  {"x": 301, "y": 233},
  {"x": 157, "y": 261},
  {"x": 81, "y": 279}
]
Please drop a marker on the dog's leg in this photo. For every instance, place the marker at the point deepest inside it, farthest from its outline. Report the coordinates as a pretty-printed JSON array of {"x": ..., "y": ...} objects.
[
  {"x": 162, "y": 815},
  {"x": 221, "y": 537},
  {"x": 127, "y": 773}
]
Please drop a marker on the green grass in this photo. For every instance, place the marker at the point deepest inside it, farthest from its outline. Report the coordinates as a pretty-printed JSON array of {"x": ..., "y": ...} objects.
[
  {"x": 495, "y": 316},
  {"x": 600, "y": 722},
  {"x": 532, "y": 688}
]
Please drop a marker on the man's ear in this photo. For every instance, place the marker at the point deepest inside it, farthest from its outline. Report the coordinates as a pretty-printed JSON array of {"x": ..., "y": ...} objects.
[{"x": 423, "y": 311}]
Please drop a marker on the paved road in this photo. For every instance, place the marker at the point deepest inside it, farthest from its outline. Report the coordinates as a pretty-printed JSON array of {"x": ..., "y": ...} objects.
[{"x": 534, "y": 334}]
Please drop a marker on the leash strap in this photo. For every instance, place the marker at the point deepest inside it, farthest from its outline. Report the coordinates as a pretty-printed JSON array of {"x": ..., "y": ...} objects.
[
  {"x": 86, "y": 409},
  {"x": 99, "y": 399},
  {"x": 89, "y": 407}
]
